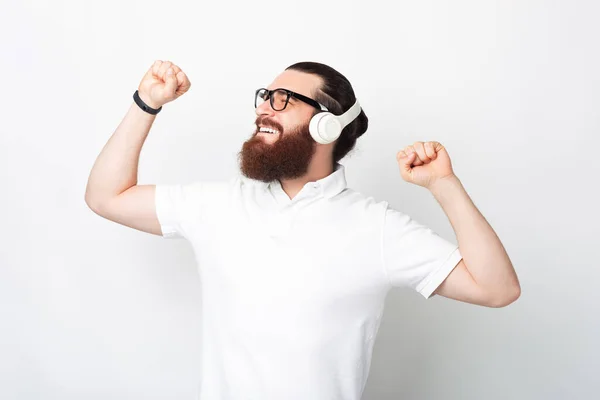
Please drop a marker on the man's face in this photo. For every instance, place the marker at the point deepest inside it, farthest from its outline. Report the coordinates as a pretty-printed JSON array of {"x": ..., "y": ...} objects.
[{"x": 285, "y": 154}]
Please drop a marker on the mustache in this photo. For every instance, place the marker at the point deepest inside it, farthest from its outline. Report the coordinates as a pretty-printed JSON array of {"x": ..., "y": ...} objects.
[{"x": 268, "y": 123}]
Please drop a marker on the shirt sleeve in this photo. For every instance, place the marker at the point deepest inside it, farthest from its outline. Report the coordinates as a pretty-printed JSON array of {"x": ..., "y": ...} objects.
[
  {"x": 414, "y": 255},
  {"x": 178, "y": 206}
]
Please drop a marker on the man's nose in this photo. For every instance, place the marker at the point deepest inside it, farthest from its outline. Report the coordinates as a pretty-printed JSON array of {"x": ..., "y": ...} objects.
[{"x": 264, "y": 109}]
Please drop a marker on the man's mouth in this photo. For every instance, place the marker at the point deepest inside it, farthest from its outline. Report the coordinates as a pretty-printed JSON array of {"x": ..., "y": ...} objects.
[{"x": 270, "y": 131}]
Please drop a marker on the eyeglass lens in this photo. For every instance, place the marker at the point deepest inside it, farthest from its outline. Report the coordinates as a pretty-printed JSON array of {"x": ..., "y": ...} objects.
[{"x": 278, "y": 99}]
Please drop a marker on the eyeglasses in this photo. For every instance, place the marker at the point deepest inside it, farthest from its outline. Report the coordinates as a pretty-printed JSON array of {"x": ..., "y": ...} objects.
[{"x": 280, "y": 97}]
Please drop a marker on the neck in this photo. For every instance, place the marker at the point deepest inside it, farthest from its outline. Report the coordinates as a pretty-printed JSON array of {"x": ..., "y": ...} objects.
[{"x": 318, "y": 168}]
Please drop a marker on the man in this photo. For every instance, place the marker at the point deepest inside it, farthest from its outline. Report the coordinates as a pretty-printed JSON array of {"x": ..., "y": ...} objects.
[{"x": 295, "y": 266}]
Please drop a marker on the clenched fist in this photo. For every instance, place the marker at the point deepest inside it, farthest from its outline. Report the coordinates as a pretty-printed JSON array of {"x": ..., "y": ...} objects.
[
  {"x": 424, "y": 163},
  {"x": 164, "y": 82}
]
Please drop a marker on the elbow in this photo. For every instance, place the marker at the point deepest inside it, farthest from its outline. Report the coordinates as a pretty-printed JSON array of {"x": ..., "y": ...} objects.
[
  {"x": 93, "y": 203},
  {"x": 508, "y": 297},
  {"x": 90, "y": 202}
]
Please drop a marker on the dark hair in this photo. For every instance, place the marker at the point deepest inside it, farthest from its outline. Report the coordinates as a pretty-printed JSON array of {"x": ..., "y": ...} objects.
[{"x": 337, "y": 95}]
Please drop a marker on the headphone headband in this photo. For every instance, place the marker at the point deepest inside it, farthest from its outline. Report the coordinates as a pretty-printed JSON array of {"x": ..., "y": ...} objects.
[{"x": 350, "y": 115}]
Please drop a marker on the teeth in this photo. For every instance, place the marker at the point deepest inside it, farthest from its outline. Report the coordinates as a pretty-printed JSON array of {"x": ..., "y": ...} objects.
[{"x": 269, "y": 130}]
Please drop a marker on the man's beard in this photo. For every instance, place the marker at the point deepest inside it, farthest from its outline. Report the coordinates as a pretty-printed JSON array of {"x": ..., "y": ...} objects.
[{"x": 286, "y": 158}]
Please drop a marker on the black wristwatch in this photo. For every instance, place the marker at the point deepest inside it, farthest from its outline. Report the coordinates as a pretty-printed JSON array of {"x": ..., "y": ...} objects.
[{"x": 144, "y": 106}]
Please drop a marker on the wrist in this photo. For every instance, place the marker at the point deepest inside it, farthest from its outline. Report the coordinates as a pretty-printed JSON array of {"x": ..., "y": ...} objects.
[
  {"x": 444, "y": 184},
  {"x": 146, "y": 99}
]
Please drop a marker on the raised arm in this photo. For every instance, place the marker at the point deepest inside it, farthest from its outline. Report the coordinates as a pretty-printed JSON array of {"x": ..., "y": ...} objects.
[{"x": 112, "y": 190}]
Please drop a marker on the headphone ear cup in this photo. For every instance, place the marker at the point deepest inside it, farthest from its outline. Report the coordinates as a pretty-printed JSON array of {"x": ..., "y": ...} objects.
[
  {"x": 325, "y": 128},
  {"x": 313, "y": 127}
]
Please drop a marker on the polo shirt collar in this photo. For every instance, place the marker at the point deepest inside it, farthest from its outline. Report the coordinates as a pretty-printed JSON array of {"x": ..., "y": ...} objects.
[
  {"x": 329, "y": 186},
  {"x": 334, "y": 183}
]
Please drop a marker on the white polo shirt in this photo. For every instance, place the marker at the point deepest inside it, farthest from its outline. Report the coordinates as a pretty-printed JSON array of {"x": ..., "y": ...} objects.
[{"x": 293, "y": 291}]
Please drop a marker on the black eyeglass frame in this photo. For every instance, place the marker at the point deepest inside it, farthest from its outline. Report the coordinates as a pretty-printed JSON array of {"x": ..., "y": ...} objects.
[{"x": 289, "y": 94}]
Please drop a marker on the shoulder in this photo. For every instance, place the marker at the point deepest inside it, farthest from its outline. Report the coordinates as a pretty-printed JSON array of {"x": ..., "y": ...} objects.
[
  {"x": 354, "y": 197},
  {"x": 361, "y": 205}
]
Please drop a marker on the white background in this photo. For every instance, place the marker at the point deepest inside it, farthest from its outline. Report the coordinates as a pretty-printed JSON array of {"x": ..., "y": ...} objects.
[{"x": 93, "y": 310}]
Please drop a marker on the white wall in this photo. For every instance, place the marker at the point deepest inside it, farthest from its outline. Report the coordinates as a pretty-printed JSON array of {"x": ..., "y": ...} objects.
[{"x": 93, "y": 310}]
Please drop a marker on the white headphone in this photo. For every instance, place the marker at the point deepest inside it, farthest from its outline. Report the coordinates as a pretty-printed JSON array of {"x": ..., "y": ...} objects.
[{"x": 326, "y": 127}]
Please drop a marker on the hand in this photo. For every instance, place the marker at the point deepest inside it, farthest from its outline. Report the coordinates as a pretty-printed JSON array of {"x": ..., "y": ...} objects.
[
  {"x": 424, "y": 163},
  {"x": 164, "y": 82}
]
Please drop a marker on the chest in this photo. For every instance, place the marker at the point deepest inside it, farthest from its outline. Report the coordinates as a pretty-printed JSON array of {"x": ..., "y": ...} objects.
[{"x": 303, "y": 262}]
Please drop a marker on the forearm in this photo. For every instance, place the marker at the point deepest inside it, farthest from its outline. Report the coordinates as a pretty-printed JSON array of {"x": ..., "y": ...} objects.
[
  {"x": 482, "y": 251},
  {"x": 116, "y": 167}
]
